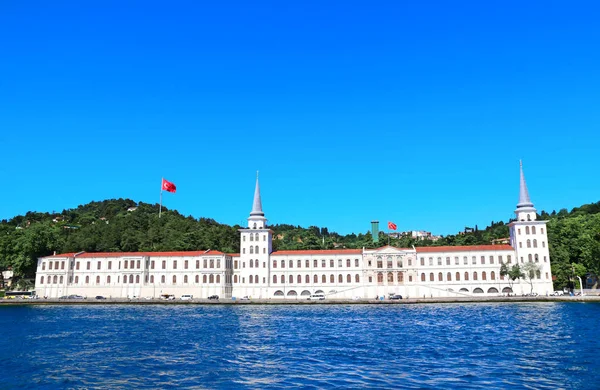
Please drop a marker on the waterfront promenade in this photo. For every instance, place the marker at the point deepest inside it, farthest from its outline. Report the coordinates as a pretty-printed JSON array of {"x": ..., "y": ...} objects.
[{"x": 327, "y": 301}]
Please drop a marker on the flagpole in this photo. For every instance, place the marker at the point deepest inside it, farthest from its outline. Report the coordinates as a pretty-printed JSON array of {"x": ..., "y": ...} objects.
[{"x": 161, "y": 190}]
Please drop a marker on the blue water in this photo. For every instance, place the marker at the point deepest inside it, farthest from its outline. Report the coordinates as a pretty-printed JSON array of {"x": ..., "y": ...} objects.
[{"x": 537, "y": 345}]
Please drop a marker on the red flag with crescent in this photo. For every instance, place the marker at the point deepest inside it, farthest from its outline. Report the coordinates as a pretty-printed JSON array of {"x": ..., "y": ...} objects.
[
  {"x": 392, "y": 226},
  {"x": 168, "y": 186}
]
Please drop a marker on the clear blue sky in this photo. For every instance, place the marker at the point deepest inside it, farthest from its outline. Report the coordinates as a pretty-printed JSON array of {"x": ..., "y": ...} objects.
[{"x": 352, "y": 111}]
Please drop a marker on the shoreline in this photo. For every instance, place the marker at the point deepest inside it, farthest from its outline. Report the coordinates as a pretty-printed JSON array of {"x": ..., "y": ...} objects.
[{"x": 331, "y": 301}]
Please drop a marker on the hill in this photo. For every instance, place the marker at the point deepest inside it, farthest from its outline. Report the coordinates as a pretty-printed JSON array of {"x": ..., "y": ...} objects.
[{"x": 124, "y": 225}]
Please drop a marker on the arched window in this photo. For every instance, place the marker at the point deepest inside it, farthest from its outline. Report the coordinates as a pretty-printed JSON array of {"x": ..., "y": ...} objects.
[
  {"x": 250, "y": 279},
  {"x": 291, "y": 278},
  {"x": 235, "y": 278},
  {"x": 243, "y": 238},
  {"x": 357, "y": 278},
  {"x": 538, "y": 274},
  {"x": 466, "y": 276},
  {"x": 528, "y": 217},
  {"x": 291, "y": 264},
  {"x": 422, "y": 277},
  {"x": 174, "y": 279},
  {"x": 76, "y": 279},
  {"x": 254, "y": 226},
  {"x": 274, "y": 279},
  {"x": 251, "y": 237},
  {"x": 348, "y": 278},
  {"x": 431, "y": 279},
  {"x": 307, "y": 279},
  {"x": 380, "y": 277},
  {"x": 203, "y": 278},
  {"x": 533, "y": 230},
  {"x": 98, "y": 279},
  {"x": 331, "y": 278},
  {"x": 244, "y": 250},
  {"x": 527, "y": 228},
  {"x": 400, "y": 277},
  {"x": 530, "y": 258},
  {"x": 475, "y": 275},
  {"x": 185, "y": 278},
  {"x": 448, "y": 277},
  {"x": 211, "y": 279},
  {"x": 483, "y": 276},
  {"x": 61, "y": 279},
  {"x": 163, "y": 279},
  {"x": 315, "y": 279},
  {"x": 440, "y": 277},
  {"x": 457, "y": 278},
  {"x": 390, "y": 277},
  {"x": 282, "y": 263},
  {"x": 528, "y": 243},
  {"x": 87, "y": 279},
  {"x": 256, "y": 249},
  {"x": 493, "y": 275},
  {"x": 108, "y": 279},
  {"x": 324, "y": 279},
  {"x": 534, "y": 243},
  {"x": 537, "y": 259},
  {"x": 251, "y": 263},
  {"x": 256, "y": 236},
  {"x": 340, "y": 278},
  {"x": 197, "y": 279},
  {"x": 130, "y": 278}
]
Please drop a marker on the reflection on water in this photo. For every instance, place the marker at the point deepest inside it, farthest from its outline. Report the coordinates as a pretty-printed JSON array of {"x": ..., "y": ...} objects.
[{"x": 538, "y": 345}]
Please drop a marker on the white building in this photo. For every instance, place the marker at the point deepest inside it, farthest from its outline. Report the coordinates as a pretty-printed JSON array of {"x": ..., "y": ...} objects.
[{"x": 259, "y": 272}]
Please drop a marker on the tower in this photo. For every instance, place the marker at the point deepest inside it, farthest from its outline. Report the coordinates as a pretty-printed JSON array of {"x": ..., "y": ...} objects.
[
  {"x": 529, "y": 238},
  {"x": 255, "y": 248}
]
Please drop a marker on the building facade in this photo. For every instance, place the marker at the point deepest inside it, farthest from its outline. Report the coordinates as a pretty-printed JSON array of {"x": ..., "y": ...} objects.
[{"x": 259, "y": 272}]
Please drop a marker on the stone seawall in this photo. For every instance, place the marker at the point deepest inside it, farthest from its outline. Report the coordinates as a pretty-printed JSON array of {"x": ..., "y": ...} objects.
[{"x": 330, "y": 301}]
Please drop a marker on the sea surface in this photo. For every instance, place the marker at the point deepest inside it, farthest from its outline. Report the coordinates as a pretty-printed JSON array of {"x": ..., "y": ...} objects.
[{"x": 503, "y": 345}]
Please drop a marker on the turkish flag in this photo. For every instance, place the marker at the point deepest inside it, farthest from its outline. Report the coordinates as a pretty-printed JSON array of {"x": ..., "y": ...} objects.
[
  {"x": 392, "y": 226},
  {"x": 168, "y": 186}
]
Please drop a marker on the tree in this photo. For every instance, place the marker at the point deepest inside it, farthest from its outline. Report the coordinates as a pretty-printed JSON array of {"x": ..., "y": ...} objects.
[
  {"x": 530, "y": 270},
  {"x": 514, "y": 273},
  {"x": 580, "y": 271}
]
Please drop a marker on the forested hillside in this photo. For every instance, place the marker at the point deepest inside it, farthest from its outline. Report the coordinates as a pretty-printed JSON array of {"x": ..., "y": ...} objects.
[{"x": 124, "y": 225}]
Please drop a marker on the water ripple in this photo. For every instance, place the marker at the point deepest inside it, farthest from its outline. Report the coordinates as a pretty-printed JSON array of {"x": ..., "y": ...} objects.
[{"x": 529, "y": 345}]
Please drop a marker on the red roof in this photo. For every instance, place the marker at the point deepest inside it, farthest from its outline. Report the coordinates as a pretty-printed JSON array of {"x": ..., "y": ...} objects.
[
  {"x": 321, "y": 252},
  {"x": 470, "y": 248},
  {"x": 390, "y": 246},
  {"x": 87, "y": 255}
]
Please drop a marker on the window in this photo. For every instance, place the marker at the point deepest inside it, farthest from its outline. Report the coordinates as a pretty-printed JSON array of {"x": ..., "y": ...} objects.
[
  {"x": 431, "y": 277},
  {"x": 537, "y": 259},
  {"x": 315, "y": 263},
  {"x": 545, "y": 260},
  {"x": 110, "y": 265},
  {"x": 185, "y": 264},
  {"x": 235, "y": 278},
  {"x": 457, "y": 277},
  {"x": 108, "y": 279},
  {"x": 530, "y": 258},
  {"x": 137, "y": 278},
  {"x": 203, "y": 278},
  {"x": 174, "y": 264},
  {"x": 542, "y": 230},
  {"x": 197, "y": 279},
  {"x": 299, "y": 278},
  {"x": 307, "y": 263},
  {"x": 44, "y": 267},
  {"x": 98, "y": 266},
  {"x": 307, "y": 279},
  {"x": 400, "y": 277},
  {"x": 348, "y": 278},
  {"x": 324, "y": 279},
  {"x": 212, "y": 263},
  {"x": 255, "y": 264},
  {"x": 475, "y": 275},
  {"x": 274, "y": 263},
  {"x": 42, "y": 280},
  {"x": 251, "y": 237},
  {"x": 465, "y": 261},
  {"x": 431, "y": 261},
  {"x": 274, "y": 279},
  {"x": 520, "y": 245},
  {"x": 315, "y": 279},
  {"x": 534, "y": 243},
  {"x": 97, "y": 279},
  {"x": 323, "y": 263},
  {"x": 448, "y": 260},
  {"x": 474, "y": 260},
  {"x": 76, "y": 265},
  {"x": 543, "y": 244},
  {"x": 291, "y": 263},
  {"x": 491, "y": 259},
  {"x": 389, "y": 264},
  {"x": 422, "y": 277},
  {"x": 164, "y": 264},
  {"x": 482, "y": 259},
  {"x": 264, "y": 237},
  {"x": 357, "y": 278},
  {"x": 185, "y": 279},
  {"x": 422, "y": 261},
  {"x": 76, "y": 279},
  {"x": 251, "y": 250},
  {"x": 138, "y": 264},
  {"x": 528, "y": 243},
  {"x": 509, "y": 259},
  {"x": 410, "y": 262},
  {"x": 493, "y": 275},
  {"x": 125, "y": 264},
  {"x": 331, "y": 263},
  {"x": 339, "y": 263},
  {"x": 291, "y": 279},
  {"x": 174, "y": 279},
  {"x": 379, "y": 263},
  {"x": 251, "y": 278},
  {"x": 440, "y": 277},
  {"x": 197, "y": 264},
  {"x": 519, "y": 231},
  {"x": 299, "y": 263},
  {"x": 211, "y": 278},
  {"x": 466, "y": 276},
  {"x": 533, "y": 230},
  {"x": 282, "y": 263},
  {"x": 251, "y": 263},
  {"x": 439, "y": 261},
  {"x": 132, "y": 264},
  {"x": 205, "y": 263},
  {"x": 256, "y": 249},
  {"x": 410, "y": 278},
  {"x": 456, "y": 260},
  {"x": 61, "y": 279},
  {"x": 449, "y": 277},
  {"x": 390, "y": 277},
  {"x": 527, "y": 228},
  {"x": 483, "y": 276},
  {"x": 87, "y": 279},
  {"x": 380, "y": 278},
  {"x": 356, "y": 262},
  {"x": 331, "y": 278},
  {"x": 347, "y": 263},
  {"x": 88, "y": 265},
  {"x": 244, "y": 251}
]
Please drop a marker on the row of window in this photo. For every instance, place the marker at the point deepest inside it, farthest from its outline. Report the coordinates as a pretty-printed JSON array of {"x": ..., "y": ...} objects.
[
  {"x": 282, "y": 278},
  {"x": 254, "y": 237},
  {"x": 135, "y": 264},
  {"x": 482, "y": 260},
  {"x": 135, "y": 279},
  {"x": 340, "y": 263},
  {"x": 534, "y": 244},
  {"x": 527, "y": 231},
  {"x": 254, "y": 249}
]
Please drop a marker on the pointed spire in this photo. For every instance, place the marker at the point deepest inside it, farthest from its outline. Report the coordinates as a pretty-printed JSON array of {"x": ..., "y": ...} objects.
[
  {"x": 257, "y": 204},
  {"x": 524, "y": 200}
]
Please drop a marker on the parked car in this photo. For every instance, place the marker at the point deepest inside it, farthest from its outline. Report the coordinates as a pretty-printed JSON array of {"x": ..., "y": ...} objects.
[
  {"x": 75, "y": 297},
  {"x": 100, "y": 297},
  {"x": 213, "y": 297},
  {"x": 167, "y": 297},
  {"x": 316, "y": 297},
  {"x": 186, "y": 297},
  {"x": 395, "y": 296},
  {"x": 558, "y": 293},
  {"x": 245, "y": 298}
]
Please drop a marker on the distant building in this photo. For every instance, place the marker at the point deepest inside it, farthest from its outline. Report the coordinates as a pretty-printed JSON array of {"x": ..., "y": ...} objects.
[{"x": 258, "y": 271}]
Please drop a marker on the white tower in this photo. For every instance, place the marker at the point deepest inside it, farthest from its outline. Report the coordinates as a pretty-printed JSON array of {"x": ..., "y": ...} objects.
[
  {"x": 529, "y": 238},
  {"x": 255, "y": 249}
]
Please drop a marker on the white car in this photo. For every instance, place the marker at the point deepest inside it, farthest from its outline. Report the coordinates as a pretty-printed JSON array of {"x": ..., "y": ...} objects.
[
  {"x": 187, "y": 297},
  {"x": 245, "y": 298}
]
